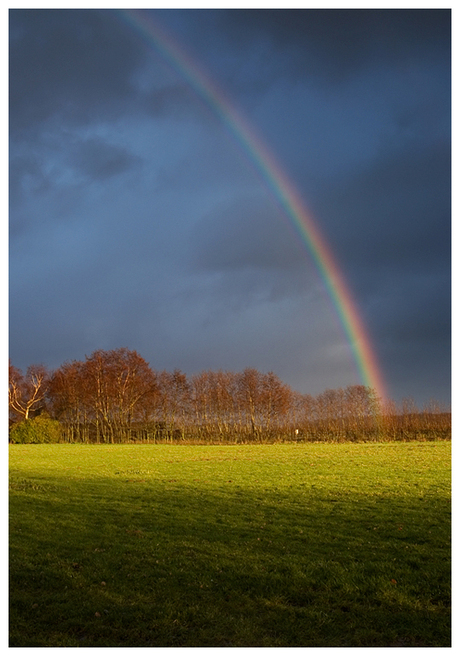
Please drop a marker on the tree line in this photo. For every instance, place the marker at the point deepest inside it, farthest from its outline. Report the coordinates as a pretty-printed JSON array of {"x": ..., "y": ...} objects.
[{"x": 115, "y": 397}]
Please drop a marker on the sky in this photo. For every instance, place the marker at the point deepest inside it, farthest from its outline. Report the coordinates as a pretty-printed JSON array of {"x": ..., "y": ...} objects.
[{"x": 138, "y": 219}]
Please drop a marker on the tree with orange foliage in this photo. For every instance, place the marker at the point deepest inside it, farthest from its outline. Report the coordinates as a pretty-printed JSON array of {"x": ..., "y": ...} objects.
[{"x": 70, "y": 402}]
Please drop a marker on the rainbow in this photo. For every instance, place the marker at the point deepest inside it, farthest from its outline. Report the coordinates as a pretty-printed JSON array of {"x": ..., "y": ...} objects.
[{"x": 279, "y": 185}]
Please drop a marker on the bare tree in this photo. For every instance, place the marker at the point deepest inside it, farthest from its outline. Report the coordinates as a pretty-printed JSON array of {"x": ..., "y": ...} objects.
[
  {"x": 26, "y": 394},
  {"x": 248, "y": 394},
  {"x": 362, "y": 409},
  {"x": 275, "y": 402}
]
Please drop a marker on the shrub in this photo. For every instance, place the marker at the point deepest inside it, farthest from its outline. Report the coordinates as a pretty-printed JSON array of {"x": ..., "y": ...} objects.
[{"x": 39, "y": 430}]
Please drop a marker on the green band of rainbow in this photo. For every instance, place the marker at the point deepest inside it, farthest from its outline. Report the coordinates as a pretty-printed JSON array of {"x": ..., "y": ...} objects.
[{"x": 363, "y": 352}]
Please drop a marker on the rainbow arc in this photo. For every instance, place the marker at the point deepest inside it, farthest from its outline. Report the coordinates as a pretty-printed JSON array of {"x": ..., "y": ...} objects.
[{"x": 282, "y": 189}]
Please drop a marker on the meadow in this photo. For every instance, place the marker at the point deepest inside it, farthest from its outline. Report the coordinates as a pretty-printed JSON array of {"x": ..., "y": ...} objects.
[{"x": 283, "y": 545}]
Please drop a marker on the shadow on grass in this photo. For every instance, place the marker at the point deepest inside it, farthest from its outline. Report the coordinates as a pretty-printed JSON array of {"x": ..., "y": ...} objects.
[{"x": 151, "y": 563}]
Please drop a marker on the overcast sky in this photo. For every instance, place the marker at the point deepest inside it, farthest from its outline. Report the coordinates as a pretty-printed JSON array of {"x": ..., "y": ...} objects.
[{"x": 138, "y": 220}]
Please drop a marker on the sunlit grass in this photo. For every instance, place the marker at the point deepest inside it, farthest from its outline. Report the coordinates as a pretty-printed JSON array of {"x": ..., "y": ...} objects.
[{"x": 281, "y": 545}]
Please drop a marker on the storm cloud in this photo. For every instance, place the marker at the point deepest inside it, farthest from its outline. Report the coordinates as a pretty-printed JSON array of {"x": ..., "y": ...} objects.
[{"x": 137, "y": 218}]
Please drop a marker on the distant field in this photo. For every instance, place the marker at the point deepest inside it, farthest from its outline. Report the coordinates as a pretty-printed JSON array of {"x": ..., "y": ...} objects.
[{"x": 315, "y": 545}]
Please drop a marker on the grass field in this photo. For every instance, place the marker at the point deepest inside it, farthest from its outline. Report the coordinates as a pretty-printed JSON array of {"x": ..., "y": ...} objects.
[{"x": 311, "y": 545}]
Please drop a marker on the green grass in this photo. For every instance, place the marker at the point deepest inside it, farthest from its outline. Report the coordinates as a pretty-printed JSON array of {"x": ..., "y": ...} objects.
[{"x": 241, "y": 546}]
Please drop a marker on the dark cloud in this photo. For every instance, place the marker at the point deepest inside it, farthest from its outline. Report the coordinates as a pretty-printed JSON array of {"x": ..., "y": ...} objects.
[
  {"x": 337, "y": 42},
  {"x": 99, "y": 160},
  {"x": 394, "y": 213},
  {"x": 423, "y": 316},
  {"x": 390, "y": 226},
  {"x": 171, "y": 100},
  {"x": 68, "y": 63},
  {"x": 248, "y": 234},
  {"x": 26, "y": 176}
]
